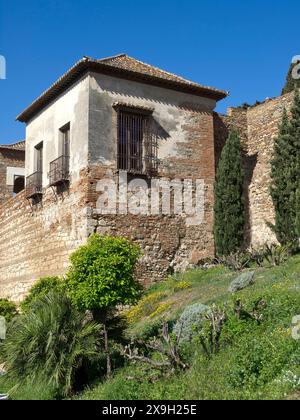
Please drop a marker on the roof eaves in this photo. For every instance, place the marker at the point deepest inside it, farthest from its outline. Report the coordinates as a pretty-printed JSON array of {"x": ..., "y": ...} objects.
[{"x": 89, "y": 64}]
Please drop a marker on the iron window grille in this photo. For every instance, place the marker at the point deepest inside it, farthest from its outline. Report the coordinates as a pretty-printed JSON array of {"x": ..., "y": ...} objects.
[{"x": 137, "y": 142}]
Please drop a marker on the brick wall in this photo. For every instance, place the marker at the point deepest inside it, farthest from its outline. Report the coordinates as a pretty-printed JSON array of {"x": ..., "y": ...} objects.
[
  {"x": 168, "y": 242},
  {"x": 13, "y": 158}
]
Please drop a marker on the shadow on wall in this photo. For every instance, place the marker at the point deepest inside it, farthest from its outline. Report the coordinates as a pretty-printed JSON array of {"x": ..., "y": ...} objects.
[
  {"x": 221, "y": 132},
  {"x": 249, "y": 163},
  {"x": 159, "y": 131}
]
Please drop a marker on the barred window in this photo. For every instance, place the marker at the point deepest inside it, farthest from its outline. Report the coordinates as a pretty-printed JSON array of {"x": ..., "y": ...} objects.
[{"x": 137, "y": 142}]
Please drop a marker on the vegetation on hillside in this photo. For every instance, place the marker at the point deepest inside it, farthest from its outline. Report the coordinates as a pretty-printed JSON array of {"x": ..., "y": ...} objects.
[
  {"x": 8, "y": 309},
  {"x": 253, "y": 357}
]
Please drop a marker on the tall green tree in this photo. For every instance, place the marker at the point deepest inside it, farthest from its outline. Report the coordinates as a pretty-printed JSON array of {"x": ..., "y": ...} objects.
[
  {"x": 229, "y": 205},
  {"x": 291, "y": 83},
  {"x": 285, "y": 175}
]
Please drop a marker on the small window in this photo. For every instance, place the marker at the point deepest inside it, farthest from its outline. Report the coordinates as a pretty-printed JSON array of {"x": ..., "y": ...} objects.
[
  {"x": 137, "y": 142},
  {"x": 19, "y": 184}
]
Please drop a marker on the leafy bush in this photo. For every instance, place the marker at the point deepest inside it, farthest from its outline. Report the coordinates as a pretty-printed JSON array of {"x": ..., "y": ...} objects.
[
  {"x": 189, "y": 323},
  {"x": 51, "y": 341},
  {"x": 102, "y": 277},
  {"x": 261, "y": 358},
  {"x": 102, "y": 274},
  {"x": 40, "y": 290},
  {"x": 7, "y": 309}
]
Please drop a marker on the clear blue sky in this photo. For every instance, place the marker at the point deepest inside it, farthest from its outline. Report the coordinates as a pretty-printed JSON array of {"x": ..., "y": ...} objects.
[{"x": 241, "y": 46}]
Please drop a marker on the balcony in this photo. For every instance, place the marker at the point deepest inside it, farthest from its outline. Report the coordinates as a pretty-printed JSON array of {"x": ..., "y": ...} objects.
[
  {"x": 34, "y": 185},
  {"x": 59, "y": 171}
]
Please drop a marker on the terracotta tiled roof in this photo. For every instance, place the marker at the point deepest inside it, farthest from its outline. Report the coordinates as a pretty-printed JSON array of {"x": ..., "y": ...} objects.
[
  {"x": 125, "y": 62},
  {"x": 20, "y": 145},
  {"x": 125, "y": 67}
]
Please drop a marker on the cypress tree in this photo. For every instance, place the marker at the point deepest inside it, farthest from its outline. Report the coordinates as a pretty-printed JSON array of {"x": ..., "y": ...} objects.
[
  {"x": 281, "y": 188},
  {"x": 291, "y": 83},
  {"x": 229, "y": 206},
  {"x": 285, "y": 175}
]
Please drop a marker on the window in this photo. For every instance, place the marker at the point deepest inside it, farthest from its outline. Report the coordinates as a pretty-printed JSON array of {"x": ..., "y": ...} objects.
[
  {"x": 65, "y": 136},
  {"x": 137, "y": 143},
  {"x": 39, "y": 157},
  {"x": 34, "y": 182},
  {"x": 19, "y": 184},
  {"x": 65, "y": 133},
  {"x": 59, "y": 168}
]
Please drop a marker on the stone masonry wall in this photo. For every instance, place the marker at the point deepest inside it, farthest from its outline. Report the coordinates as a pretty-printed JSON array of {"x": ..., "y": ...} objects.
[
  {"x": 263, "y": 122},
  {"x": 36, "y": 241},
  {"x": 13, "y": 158},
  {"x": 258, "y": 127}
]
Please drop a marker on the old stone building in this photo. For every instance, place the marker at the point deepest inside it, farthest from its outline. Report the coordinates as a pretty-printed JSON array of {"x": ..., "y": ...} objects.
[
  {"x": 108, "y": 115},
  {"x": 118, "y": 115},
  {"x": 12, "y": 170}
]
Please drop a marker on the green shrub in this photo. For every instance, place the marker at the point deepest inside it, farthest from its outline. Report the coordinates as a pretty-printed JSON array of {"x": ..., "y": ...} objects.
[
  {"x": 40, "y": 290},
  {"x": 189, "y": 323},
  {"x": 261, "y": 358},
  {"x": 102, "y": 274},
  {"x": 51, "y": 341},
  {"x": 102, "y": 277},
  {"x": 7, "y": 309}
]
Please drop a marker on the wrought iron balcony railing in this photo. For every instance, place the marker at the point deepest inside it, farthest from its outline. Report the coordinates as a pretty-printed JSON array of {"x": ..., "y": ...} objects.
[
  {"x": 34, "y": 185},
  {"x": 59, "y": 171}
]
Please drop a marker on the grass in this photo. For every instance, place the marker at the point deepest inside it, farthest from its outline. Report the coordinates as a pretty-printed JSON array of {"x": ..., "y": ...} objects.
[
  {"x": 28, "y": 391},
  {"x": 219, "y": 377},
  {"x": 255, "y": 361}
]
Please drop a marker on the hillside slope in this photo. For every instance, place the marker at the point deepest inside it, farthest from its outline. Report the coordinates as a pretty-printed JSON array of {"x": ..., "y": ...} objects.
[
  {"x": 256, "y": 361},
  {"x": 258, "y": 357}
]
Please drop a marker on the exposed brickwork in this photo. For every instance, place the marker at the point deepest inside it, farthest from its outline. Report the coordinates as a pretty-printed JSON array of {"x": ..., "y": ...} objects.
[{"x": 167, "y": 241}]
